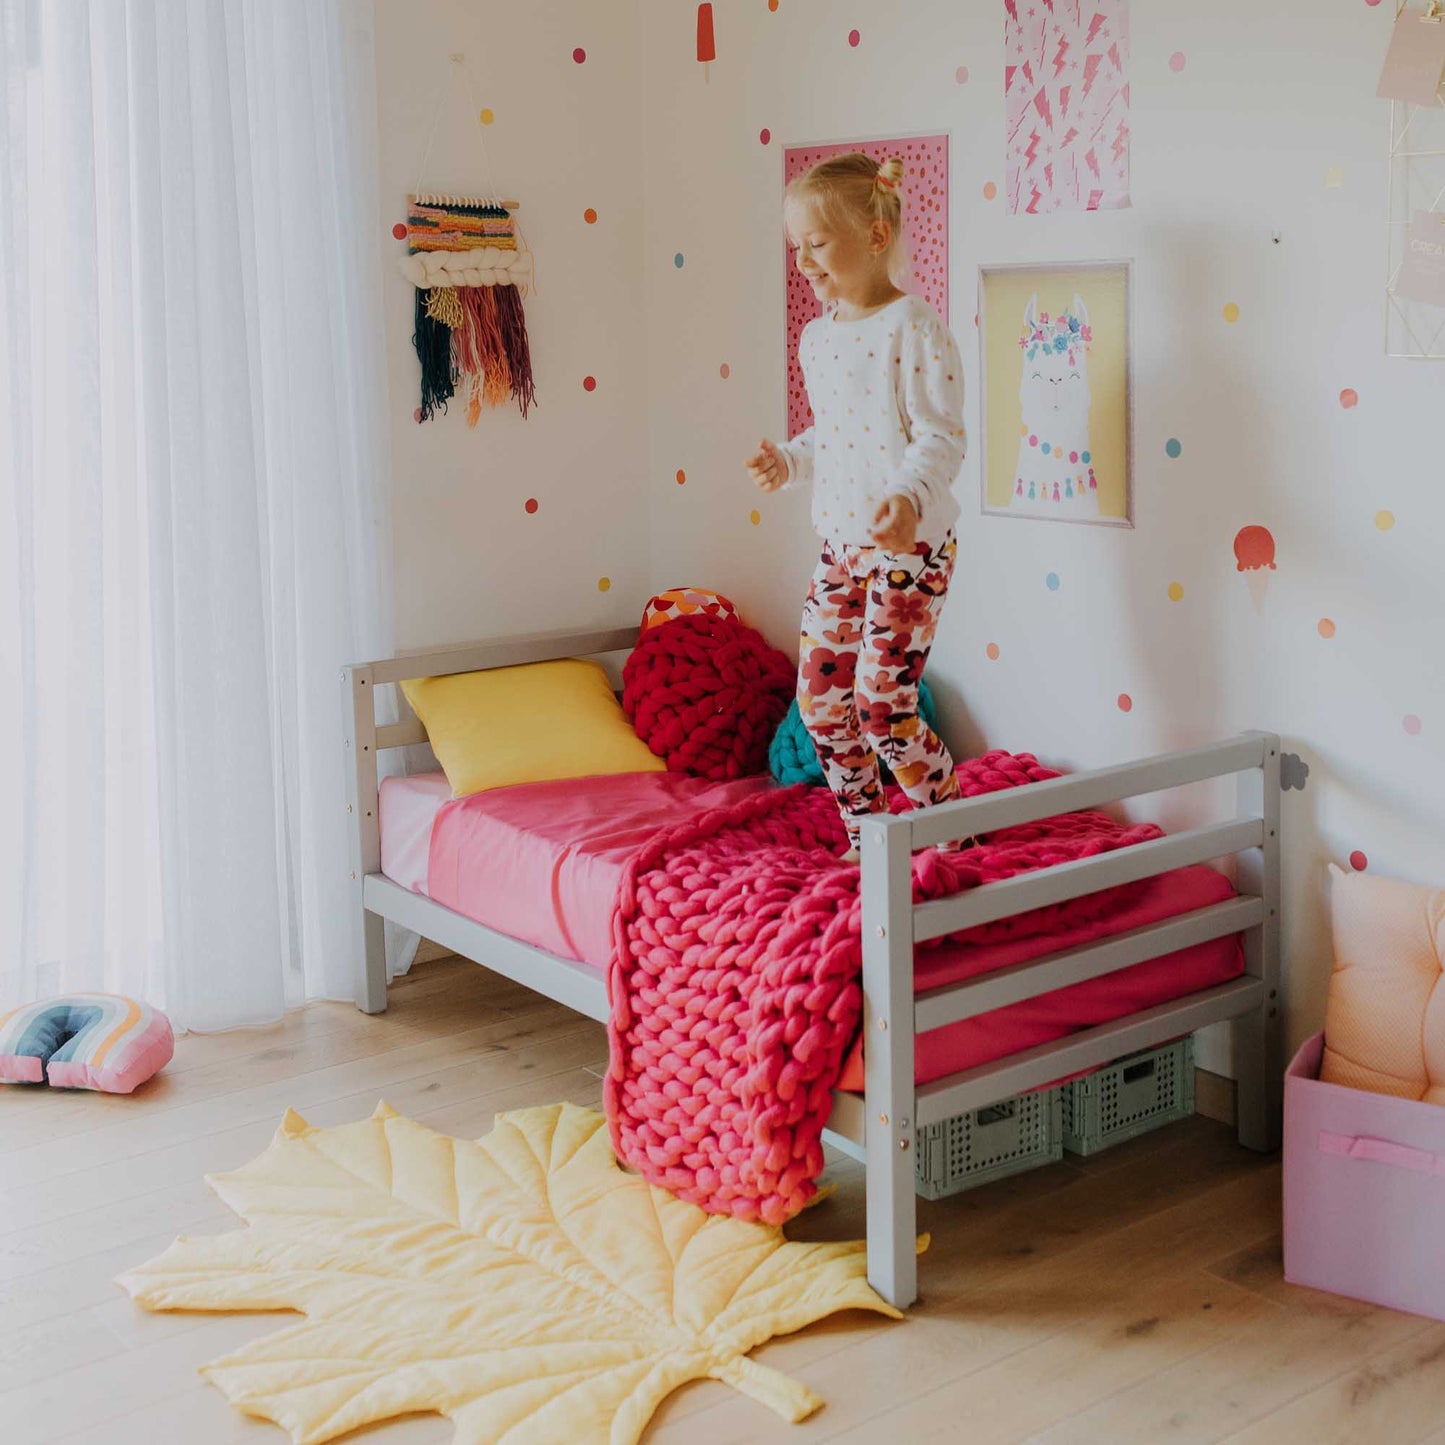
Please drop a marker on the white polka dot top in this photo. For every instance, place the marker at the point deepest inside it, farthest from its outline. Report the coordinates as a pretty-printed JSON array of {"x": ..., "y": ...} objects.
[{"x": 887, "y": 399}]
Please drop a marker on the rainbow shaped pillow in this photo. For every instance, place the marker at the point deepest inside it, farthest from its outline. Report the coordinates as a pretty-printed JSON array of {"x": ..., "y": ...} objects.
[{"x": 85, "y": 1041}]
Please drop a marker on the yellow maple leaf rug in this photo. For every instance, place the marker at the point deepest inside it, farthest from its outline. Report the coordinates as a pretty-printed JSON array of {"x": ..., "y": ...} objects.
[{"x": 523, "y": 1284}]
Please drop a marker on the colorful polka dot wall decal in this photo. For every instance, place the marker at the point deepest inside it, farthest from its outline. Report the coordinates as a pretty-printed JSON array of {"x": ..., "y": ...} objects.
[
  {"x": 765, "y": 135},
  {"x": 1177, "y": 61},
  {"x": 773, "y": 5},
  {"x": 1384, "y": 520},
  {"x": 1326, "y": 627},
  {"x": 486, "y": 117},
  {"x": 399, "y": 230},
  {"x": 1052, "y": 581},
  {"x": 678, "y": 260},
  {"x": 1231, "y": 312},
  {"x": 1126, "y": 703},
  {"x": 590, "y": 216},
  {"x": 416, "y": 416},
  {"x": 1172, "y": 447},
  {"x": 755, "y": 516},
  {"x": 531, "y": 507},
  {"x": 579, "y": 55},
  {"x": 992, "y": 651},
  {"x": 961, "y": 75},
  {"x": 1412, "y": 724},
  {"x": 681, "y": 476},
  {"x": 724, "y": 371},
  {"x": 854, "y": 38},
  {"x": 1358, "y": 861},
  {"x": 1176, "y": 591},
  {"x": 589, "y": 383},
  {"x": 1349, "y": 398},
  {"x": 990, "y": 190},
  {"x": 1334, "y": 178},
  {"x": 604, "y": 584}
]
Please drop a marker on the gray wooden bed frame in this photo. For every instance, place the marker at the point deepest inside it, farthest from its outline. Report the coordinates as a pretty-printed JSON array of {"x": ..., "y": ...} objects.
[{"x": 880, "y": 1127}]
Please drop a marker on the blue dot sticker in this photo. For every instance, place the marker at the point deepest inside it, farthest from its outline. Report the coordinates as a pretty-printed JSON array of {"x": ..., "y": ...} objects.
[
  {"x": 677, "y": 260},
  {"x": 1172, "y": 447},
  {"x": 1052, "y": 581},
  {"x": 1046, "y": 449},
  {"x": 1085, "y": 458}
]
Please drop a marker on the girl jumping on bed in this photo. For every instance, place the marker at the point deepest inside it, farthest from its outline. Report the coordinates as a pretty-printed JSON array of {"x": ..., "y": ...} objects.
[{"x": 885, "y": 384}]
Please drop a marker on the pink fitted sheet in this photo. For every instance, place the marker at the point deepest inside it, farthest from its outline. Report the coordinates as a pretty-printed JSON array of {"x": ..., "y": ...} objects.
[{"x": 542, "y": 862}]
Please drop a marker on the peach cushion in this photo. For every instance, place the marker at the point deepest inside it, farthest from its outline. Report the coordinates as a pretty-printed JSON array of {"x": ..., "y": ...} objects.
[{"x": 1385, "y": 1019}]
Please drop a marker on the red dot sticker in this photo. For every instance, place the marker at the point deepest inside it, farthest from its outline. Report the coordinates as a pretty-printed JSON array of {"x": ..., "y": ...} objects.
[
  {"x": 724, "y": 371},
  {"x": 1349, "y": 397},
  {"x": 399, "y": 230},
  {"x": 853, "y": 38},
  {"x": 589, "y": 383},
  {"x": 590, "y": 216},
  {"x": 1126, "y": 703},
  {"x": 765, "y": 135},
  {"x": 579, "y": 55},
  {"x": 531, "y": 507},
  {"x": 1358, "y": 861},
  {"x": 681, "y": 476}
]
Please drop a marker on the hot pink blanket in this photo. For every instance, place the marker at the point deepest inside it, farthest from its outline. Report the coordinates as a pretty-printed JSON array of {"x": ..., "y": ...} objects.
[{"x": 735, "y": 980}]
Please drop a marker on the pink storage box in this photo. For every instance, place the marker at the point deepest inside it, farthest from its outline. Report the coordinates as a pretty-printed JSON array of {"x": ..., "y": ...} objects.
[{"x": 1364, "y": 1191}]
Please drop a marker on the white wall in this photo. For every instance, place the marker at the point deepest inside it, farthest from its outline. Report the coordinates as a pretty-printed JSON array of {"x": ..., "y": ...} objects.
[
  {"x": 470, "y": 561},
  {"x": 1225, "y": 153}
]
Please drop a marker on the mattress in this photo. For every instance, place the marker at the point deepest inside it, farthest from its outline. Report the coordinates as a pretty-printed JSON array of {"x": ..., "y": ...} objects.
[{"x": 542, "y": 863}]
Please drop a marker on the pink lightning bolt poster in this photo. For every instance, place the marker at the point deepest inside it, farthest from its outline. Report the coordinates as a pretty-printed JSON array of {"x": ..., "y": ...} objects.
[{"x": 1066, "y": 90}]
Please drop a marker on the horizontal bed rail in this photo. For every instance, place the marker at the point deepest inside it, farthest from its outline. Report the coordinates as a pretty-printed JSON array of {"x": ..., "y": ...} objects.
[{"x": 504, "y": 652}]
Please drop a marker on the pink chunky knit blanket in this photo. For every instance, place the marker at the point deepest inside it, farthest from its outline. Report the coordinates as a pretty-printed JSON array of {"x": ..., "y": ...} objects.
[{"x": 735, "y": 980}]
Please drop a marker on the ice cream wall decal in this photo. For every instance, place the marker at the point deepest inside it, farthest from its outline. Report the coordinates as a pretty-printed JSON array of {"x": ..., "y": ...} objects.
[
  {"x": 1254, "y": 556},
  {"x": 706, "y": 43}
]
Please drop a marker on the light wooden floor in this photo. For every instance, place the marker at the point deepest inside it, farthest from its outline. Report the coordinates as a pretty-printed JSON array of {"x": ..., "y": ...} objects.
[{"x": 1133, "y": 1297}]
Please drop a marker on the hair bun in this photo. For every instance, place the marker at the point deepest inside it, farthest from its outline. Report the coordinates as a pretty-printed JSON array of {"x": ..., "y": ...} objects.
[{"x": 890, "y": 172}]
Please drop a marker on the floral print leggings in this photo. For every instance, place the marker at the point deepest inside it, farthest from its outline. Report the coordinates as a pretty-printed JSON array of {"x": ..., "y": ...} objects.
[{"x": 868, "y": 624}]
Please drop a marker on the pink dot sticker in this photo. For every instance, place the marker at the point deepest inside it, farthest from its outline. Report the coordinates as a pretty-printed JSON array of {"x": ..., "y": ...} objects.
[
  {"x": 589, "y": 383},
  {"x": 399, "y": 230},
  {"x": 1177, "y": 62},
  {"x": 531, "y": 507},
  {"x": 1126, "y": 703},
  {"x": 579, "y": 55},
  {"x": 416, "y": 416},
  {"x": 1326, "y": 627},
  {"x": 961, "y": 75},
  {"x": 724, "y": 371},
  {"x": 853, "y": 38},
  {"x": 992, "y": 651},
  {"x": 1349, "y": 397},
  {"x": 1412, "y": 724},
  {"x": 765, "y": 135},
  {"x": 990, "y": 190},
  {"x": 1358, "y": 861}
]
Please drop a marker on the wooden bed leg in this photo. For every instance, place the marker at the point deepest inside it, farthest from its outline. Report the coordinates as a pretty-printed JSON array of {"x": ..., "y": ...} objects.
[
  {"x": 363, "y": 810},
  {"x": 372, "y": 996},
  {"x": 1258, "y": 1045},
  {"x": 888, "y": 1057}
]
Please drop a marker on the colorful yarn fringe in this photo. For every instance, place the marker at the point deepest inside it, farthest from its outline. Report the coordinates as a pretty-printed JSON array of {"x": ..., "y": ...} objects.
[{"x": 470, "y": 333}]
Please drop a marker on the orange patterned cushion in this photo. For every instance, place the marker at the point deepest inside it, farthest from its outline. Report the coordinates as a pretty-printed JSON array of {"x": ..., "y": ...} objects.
[{"x": 1385, "y": 1020}]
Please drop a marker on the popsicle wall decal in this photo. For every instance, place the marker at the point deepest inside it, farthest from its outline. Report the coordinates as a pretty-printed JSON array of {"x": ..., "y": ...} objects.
[{"x": 706, "y": 44}]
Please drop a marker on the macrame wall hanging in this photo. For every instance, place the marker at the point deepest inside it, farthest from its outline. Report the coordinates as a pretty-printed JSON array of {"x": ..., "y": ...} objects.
[{"x": 471, "y": 267}]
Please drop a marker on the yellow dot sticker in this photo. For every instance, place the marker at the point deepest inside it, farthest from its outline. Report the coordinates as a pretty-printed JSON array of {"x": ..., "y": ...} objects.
[
  {"x": 1176, "y": 591},
  {"x": 604, "y": 584},
  {"x": 1231, "y": 312},
  {"x": 755, "y": 516},
  {"x": 486, "y": 116},
  {"x": 1384, "y": 520}
]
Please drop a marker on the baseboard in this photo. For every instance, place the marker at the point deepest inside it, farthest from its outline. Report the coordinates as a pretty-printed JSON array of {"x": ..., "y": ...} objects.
[{"x": 1214, "y": 1096}]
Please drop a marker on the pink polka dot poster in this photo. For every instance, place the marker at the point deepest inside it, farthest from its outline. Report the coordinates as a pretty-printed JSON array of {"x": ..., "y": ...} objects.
[{"x": 925, "y": 226}]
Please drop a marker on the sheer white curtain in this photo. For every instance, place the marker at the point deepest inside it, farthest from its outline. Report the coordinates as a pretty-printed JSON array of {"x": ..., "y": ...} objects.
[{"x": 193, "y": 526}]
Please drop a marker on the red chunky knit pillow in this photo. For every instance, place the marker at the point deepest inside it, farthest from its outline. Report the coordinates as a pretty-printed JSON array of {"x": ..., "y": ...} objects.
[{"x": 707, "y": 694}]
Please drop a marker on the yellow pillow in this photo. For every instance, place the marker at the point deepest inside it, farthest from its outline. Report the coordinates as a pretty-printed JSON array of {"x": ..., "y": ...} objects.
[{"x": 527, "y": 724}]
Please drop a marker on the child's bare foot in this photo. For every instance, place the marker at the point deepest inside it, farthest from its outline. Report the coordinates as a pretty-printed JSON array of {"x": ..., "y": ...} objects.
[{"x": 852, "y": 856}]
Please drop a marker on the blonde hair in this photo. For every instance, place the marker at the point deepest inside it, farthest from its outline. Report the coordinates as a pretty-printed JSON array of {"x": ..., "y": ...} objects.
[{"x": 852, "y": 192}]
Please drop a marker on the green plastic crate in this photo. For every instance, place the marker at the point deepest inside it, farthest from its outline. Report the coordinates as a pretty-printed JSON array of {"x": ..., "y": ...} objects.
[
  {"x": 991, "y": 1143},
  {"x": 1129, "y": 1097}
]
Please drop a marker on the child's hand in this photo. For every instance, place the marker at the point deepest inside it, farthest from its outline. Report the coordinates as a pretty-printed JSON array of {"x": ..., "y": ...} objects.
[
  {"x": 768, "y": 467},
  {"x": 895, "y": 525}
]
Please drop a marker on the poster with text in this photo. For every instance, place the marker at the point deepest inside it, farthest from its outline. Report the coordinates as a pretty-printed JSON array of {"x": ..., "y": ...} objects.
[
  {"x": 925, "y": 229},
  {"x": 1066, "y": 99},
  {"x": 1056, "y": 394}
]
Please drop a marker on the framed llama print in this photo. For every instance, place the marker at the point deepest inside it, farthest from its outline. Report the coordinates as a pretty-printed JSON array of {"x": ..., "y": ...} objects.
[{"x": 1056, "y": 393}]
